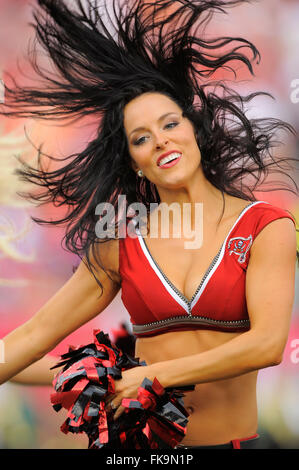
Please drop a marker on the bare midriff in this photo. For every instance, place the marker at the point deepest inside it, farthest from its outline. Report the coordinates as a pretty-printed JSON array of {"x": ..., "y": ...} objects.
[{"x": 218, "y": 411}]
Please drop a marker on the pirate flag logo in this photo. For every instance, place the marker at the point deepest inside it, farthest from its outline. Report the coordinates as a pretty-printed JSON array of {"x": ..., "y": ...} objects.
[{"x": 240, "y": 246}]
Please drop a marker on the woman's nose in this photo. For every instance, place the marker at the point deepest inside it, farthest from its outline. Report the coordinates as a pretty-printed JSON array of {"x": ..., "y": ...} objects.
[{"x": 161, "y": 141}]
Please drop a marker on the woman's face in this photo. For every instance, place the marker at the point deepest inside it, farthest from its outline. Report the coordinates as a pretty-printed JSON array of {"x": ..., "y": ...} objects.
[{"x": 154, "y": 125}]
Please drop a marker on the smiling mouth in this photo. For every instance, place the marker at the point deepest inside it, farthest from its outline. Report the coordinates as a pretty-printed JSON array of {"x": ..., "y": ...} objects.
[{"x": 170, "y": 160}]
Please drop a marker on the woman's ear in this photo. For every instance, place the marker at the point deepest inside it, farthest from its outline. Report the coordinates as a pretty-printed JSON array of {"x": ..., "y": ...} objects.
[{"x": 134, "y": 165}]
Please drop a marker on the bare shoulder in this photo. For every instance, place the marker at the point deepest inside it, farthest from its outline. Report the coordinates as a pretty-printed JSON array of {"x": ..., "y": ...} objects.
[
  {"x": 239, "y": 203},
  {"x": 107, "y": 252},
  {"x": 234, "y": 206}
]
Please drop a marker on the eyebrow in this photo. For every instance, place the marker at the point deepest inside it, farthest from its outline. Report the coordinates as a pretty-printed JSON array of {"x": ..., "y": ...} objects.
[{"x": 160, "y": 119}]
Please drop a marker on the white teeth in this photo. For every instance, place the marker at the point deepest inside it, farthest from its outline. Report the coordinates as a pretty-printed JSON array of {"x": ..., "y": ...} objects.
[{"x": 169, "y": 158}]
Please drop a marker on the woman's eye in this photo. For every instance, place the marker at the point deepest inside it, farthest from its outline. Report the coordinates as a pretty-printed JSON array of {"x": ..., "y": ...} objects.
[
  {"x": 141, "y": 139},
  {"x": 172, "y": 124}
]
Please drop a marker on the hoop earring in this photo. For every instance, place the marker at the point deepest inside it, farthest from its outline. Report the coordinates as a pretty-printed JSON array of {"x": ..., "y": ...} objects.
[{"x": 140, "y": 173}]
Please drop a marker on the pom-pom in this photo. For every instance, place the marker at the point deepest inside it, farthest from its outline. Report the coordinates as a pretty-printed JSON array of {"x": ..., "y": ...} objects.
[
  {"x": 124, "y": 340},
  {"x": 156, "y": 419}
]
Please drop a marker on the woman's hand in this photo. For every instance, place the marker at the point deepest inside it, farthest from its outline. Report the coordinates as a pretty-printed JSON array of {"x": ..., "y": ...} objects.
[{"x": 127, "y": 387}]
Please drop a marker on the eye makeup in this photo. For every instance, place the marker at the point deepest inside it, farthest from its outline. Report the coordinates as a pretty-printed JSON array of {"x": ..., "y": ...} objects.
[{"x": 140, "y": 141}]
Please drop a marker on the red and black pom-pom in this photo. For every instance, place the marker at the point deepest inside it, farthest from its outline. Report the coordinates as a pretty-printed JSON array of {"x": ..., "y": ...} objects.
[
  {"x": 124, "y": 340},
  {"x": 156, "y": 419}
]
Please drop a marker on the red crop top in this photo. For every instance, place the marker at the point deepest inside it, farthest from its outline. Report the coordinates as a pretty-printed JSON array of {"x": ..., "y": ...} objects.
[{"x": 155, "y": 305}]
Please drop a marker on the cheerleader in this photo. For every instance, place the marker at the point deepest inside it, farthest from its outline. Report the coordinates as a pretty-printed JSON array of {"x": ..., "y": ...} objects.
[{"x": 207, "y": 315}]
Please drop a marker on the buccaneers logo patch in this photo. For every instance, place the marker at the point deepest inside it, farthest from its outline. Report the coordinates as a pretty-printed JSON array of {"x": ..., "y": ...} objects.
[{"x": 239, "y": 246}]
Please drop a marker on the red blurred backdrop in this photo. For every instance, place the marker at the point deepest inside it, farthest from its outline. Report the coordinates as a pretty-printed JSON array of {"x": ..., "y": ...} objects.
[{"x": 27, "y": 419}]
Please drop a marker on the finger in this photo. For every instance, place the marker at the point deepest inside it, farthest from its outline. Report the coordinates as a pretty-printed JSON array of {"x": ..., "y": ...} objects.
[
  {"x": 109, "y": 400},
  {"x": 119, "y": 412},
  {"x": 112, "y": 407},
  {"x": 110, "y": 397},
  {"x": 108, "y": 407}
]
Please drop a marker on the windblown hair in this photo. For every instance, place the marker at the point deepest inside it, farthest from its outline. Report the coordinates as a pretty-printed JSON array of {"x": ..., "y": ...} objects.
[{"x": 105, "y": 53}]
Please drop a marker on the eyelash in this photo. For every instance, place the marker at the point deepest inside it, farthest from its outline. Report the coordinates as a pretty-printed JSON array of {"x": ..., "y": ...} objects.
[{"x": 137, "y": 142}]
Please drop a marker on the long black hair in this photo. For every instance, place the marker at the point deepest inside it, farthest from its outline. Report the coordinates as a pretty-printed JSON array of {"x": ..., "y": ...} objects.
[{"x": 105, "y": 53}]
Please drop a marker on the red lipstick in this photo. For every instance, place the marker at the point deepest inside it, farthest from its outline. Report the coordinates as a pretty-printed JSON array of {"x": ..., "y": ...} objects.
[{"x": 166, "y": 154}]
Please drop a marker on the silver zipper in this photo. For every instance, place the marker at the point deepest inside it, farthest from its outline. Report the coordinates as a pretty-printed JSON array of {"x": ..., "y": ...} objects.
[
  {"x": 170, "y": 283},
  {"x": 207, "y": 273},
  {"x": 186, "y": 320},
  {"x": 214, "y": 261},
  {"x": 188, "y": 302},
  {"x": 212, "y": 264}
]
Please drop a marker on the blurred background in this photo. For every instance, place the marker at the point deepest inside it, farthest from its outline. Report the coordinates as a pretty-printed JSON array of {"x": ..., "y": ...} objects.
[{"x": 34, "y": 266}]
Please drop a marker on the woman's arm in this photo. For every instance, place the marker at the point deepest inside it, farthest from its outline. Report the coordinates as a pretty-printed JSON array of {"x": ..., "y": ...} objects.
[
  {"x": 76, "y": 303},
  {"x": 270, "y": 282},
  {"x": 38, "y": 373}
]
